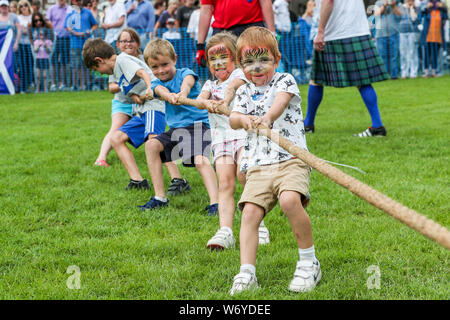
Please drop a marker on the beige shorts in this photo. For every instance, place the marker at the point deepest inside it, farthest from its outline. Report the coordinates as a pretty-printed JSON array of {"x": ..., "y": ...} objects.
[{"x": 266, "y": 183}]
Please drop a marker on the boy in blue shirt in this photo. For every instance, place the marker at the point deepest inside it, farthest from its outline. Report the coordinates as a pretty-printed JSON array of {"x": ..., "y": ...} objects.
[{"x": 189, "y": 137}]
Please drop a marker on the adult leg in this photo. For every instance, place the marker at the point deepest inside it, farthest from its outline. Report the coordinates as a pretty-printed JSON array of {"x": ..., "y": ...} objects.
[
  {"x": 209, "y": 177},
  {"x": 117, "y": 120},
  {"x": 404, "y": 71},
  {"x": 315, "y": 95},
  {"x": 370, "y": 99},
  {"x": 38, "y": 80},
  {"x": 393, "y": 44},
  {"x": 118, "y": 142}
]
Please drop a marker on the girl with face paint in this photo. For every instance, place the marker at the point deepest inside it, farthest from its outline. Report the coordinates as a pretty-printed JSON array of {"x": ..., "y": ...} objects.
[{"x": 227, "y": 144}]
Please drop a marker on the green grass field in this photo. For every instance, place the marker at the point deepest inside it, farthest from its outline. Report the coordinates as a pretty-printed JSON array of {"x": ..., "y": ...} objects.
[{"x": 57, "y": 210}]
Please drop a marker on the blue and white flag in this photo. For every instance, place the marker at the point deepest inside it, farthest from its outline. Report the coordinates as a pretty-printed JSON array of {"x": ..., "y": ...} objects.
[{"x": 6, "y": 62}]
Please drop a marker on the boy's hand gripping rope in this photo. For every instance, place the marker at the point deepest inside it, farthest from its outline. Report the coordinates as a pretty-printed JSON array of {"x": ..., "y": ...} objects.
[{"x": 409, "y": 217}]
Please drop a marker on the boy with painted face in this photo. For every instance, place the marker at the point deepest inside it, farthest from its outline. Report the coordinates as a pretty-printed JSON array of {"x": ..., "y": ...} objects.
[
  {"x": 227, "y": 144},
  {"x": 273, "y": 174}
]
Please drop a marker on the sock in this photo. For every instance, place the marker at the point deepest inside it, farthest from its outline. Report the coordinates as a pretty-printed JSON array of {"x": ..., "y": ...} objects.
[
  {"x": 262, "y": 223},
  {"x": 369, "y": 97},
  {"x": 136, "y": 181},
  {"x": 248, "y": 267},
  {"x": 315, "y": 95},
  {"x": 161, "y": 199},
  {"x": 307, "y": 254},
  {"x": 227, "y": 229}
]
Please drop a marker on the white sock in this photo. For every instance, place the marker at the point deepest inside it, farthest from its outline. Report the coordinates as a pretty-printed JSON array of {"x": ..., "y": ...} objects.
[
  {"x": 248, "y": 267},
  {"x": 227, "y": 229},
  {"x": 262, "y": 223},
  {"x": 161, "y": 199},
  {"x": 307, "y": 254}
]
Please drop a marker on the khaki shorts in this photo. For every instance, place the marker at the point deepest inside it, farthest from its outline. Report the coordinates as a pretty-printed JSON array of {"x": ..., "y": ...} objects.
[{"x": 265, "y": 184}]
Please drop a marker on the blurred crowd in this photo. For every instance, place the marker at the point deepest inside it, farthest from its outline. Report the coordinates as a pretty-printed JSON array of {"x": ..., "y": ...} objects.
[{"x": 412, "y": 36}]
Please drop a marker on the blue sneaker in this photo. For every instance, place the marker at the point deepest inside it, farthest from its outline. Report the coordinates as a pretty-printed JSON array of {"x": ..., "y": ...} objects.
[
  {"x": 154, "y": 204},
  {"x": 213, "y": 209}
]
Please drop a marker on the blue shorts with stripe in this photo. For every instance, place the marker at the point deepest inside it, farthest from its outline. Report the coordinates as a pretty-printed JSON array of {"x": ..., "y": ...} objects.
[{"x": 140, "y": 127}]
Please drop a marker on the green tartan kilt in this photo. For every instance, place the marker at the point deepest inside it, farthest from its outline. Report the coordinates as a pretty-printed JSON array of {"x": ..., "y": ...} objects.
[{"x": 348, "y": 62}]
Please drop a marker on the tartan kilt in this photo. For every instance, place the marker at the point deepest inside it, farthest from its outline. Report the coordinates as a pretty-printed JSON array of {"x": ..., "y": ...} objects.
[{"x": 348, "y": 62}]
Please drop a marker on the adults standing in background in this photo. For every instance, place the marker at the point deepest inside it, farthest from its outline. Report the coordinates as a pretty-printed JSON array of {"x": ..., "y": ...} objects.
[
  {"x": 115, "y": 21},
  {"x": 56, "y": 14},
  {"x": 281, "y": 15},
  {"x": 98, "y": 14},
  {"x": 184, "y": 13},
  {"x": 387, "y": 35},
  {"x": 345, "y": 56},
  {"x": 159, "y": 7},
  {"x": 169, "y": 13},
  {"x": 141, "y": 17},
  {"x": 9, "y": 20},
  {"x": 409, "y": 54},
  {"x": 13, "y": 7},
  {"x": 435, "y": 16},
  {"x": 25, "y": 54},
  {"x": 234, "y": 16}
]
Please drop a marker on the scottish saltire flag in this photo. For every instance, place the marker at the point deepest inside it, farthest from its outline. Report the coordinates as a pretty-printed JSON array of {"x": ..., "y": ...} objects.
[{"x": 6, "y": 62}]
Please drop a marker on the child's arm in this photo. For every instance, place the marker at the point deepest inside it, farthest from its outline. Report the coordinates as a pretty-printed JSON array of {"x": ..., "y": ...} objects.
[
  {"x": 231, "y": 91},
  {"x": 208, "y": 104},
  {"x": 242, "y": 121},
  {"x": 141, "y": 73},
  {"x": 113, "y": 87},
  {"x": 279, "y": 104},
  {"x": 166, "y": 95},
  {"x": 186, "y": 86}
]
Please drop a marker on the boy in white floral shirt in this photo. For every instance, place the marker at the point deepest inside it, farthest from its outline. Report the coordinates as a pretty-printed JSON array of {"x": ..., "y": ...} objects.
[{"x": 273, "y": 174}]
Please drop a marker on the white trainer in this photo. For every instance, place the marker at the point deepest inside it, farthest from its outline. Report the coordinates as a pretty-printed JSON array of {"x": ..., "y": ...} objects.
[
  {"x": 244, "y": 281},
  {"x": 221, "y": 240},
  {"x": 306, "y": 276},
  {"x": 263, "y": 234}
]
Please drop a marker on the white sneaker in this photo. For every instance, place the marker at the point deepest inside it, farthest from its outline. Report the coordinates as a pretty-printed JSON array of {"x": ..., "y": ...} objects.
[
  {"x": 244, "y": 281},
  {"x": 306, "y": 276},
  {"x": 221, "y": 240},
  {"x": 263, "y": 234}
]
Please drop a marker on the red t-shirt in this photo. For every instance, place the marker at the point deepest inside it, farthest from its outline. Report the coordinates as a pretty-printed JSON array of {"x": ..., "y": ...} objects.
[{"x": 228, "y": 13}]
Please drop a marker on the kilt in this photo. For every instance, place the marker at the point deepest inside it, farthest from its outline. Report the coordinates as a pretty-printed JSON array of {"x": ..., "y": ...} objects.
[{"x": 348, "y": 62}]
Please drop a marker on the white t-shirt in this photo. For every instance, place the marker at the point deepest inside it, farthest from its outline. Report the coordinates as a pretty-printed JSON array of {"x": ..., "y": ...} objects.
[
  {"x": 281, "y": 15},
  {"x": 348, "y": 19},
  {"x": 112, "y": 15},
  {"x": 171, "y": 35},
  {"x": 220, "y": 124},
  {"x": 257, "y": 101},
  {"x": 125, "y": 71},
  {"x": 193, "y": 25}
]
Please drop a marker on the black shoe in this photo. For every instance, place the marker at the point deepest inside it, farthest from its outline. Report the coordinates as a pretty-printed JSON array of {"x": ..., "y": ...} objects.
[
  {"x": 140, "y": 185},
  {"x": 178, "y": 186},
  {"x": 309, "y": 129},
  {"x": 212, "y": 209},
  {"x": 372, "y": 132}
]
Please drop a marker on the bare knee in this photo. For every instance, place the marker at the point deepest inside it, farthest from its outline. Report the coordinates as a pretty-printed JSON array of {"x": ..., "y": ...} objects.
[
  {"x": 290, "y": 201},
  {"x": 117, "y": 138},
  {"x": 153, "y": 146},
  {"x": 252, "y": 215}
]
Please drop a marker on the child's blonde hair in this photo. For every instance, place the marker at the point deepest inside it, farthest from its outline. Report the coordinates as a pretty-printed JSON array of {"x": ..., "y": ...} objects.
[
  {"x": 159, "y": 47},
  {"x": 227, "y": 39},
  {"x": 256, "y": 37}
]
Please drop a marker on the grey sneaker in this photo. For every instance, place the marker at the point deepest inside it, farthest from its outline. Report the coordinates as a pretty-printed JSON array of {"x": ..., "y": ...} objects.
[{"x": 178, "y": 186}]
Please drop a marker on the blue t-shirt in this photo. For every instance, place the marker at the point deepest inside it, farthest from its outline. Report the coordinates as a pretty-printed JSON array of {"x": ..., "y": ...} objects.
[
  {"x": 79, "y": 22},
  {"x": 183, "y": 115}
]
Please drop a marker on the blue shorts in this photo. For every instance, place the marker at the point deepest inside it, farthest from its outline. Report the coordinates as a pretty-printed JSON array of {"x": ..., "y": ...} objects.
[
  {"x": 121, "y": 107},
  {"x": 140, "y": 127}
]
